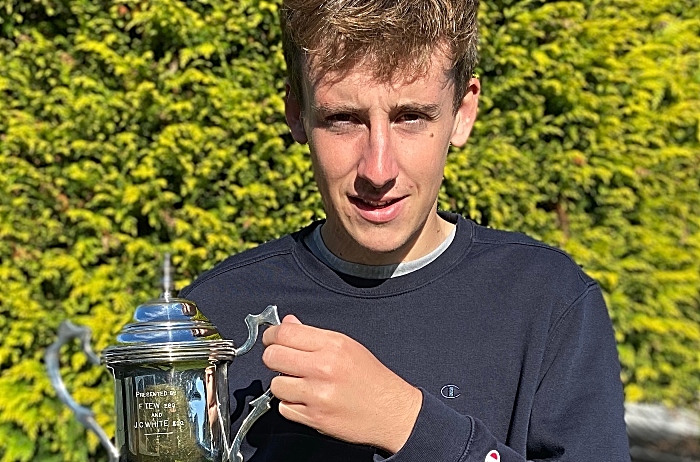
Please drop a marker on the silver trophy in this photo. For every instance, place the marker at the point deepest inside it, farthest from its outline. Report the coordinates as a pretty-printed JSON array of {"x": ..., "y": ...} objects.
[{"x": 170, "y": 369}]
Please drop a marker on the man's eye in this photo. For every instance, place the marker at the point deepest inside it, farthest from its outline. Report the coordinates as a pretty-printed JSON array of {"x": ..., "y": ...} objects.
[
  {"x": 340, "y": 119},
  {"x": 411, "y": 118}
]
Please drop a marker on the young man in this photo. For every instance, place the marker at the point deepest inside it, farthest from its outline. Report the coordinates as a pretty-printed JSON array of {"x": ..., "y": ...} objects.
[{"x": 409, "y": 334}]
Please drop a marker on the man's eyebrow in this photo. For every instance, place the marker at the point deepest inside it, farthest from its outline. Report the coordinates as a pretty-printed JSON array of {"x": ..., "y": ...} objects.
[
  {"x": 325, "y": 109},
  {"x": 429, "y": 109}
]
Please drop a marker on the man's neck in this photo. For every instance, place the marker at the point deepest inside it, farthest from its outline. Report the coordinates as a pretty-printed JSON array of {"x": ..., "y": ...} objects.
[
  {"x": 435, "y": 230},
  {"x": 315, "y": 242}
]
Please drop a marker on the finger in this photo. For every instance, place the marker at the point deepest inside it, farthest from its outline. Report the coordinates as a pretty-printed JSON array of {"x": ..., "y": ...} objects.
[
  {"x": 291, "y": 389},
  {"x": 291, "y": 319},
  {"x": 288, "y": 319},
  {"x": 294, "y": 411},
  {"x": 297, "y": 336},
  {"x": 289, "y": 361}
]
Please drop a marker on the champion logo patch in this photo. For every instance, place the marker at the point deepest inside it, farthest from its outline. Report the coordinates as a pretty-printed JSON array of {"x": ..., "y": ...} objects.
[
  {"x": 450, "y": 392},
  {"x": 493, "y": 456}
]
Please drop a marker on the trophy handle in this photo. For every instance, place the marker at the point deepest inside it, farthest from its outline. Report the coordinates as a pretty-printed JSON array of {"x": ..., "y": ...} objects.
[
  {"x": 260, "y": 404},
  {"x": 269, "y": 317},
  {"x": 68, "y": 331}
]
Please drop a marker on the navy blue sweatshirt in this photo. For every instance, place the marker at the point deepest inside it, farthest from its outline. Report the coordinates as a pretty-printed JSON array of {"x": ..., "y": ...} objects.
[{"x": 509, "y": 341}]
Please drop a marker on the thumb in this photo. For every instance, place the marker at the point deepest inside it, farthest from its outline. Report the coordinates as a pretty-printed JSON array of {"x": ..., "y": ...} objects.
[{"x": 291, "y": 319}]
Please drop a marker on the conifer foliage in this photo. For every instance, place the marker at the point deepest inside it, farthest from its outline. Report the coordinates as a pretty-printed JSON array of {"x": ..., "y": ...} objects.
[{"x": 131, "y": 128}]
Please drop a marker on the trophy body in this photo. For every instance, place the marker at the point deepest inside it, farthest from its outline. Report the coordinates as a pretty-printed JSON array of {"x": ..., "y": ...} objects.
[
  {"x": 171, "y": 412},
  {"x": 170, "y": 368}
]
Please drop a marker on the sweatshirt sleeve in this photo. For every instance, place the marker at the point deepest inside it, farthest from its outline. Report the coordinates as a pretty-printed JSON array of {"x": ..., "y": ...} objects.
[{"x": 577, "y": 412}]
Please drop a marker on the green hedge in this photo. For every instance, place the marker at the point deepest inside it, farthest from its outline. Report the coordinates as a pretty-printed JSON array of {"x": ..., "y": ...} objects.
[{"x": 132, "y": 128}]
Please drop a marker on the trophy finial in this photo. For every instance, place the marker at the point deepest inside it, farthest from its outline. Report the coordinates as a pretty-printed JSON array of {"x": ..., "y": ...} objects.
[
  {"x": 167, "y": 278},
  {"x": 164, "y": 320}
]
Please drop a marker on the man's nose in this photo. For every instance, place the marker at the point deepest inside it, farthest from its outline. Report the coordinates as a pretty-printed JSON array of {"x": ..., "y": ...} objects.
[{"x": 378, "y": 163}]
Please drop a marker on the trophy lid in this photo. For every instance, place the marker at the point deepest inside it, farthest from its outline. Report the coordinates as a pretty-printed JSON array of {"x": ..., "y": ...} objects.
[{"x": 168, "y": 329}]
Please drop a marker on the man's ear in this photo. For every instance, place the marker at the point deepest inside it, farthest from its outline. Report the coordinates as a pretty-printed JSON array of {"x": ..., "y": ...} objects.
[
  {"x": 466, "y": 114},
  {"x": 292, "y": 112}
]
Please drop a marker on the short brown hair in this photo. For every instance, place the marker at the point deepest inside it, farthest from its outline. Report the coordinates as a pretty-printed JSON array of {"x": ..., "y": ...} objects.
[{"x": 390, "y": 35}]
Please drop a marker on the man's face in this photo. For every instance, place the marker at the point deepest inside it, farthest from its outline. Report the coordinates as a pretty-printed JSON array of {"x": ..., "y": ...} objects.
[{"x": 378, "y": 151}]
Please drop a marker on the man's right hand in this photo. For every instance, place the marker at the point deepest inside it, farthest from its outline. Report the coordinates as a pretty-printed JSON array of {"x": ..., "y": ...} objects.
[{"x": 335, "y": 385}]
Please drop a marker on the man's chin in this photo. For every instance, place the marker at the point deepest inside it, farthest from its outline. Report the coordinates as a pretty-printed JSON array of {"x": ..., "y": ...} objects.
[{"x": 380, "y": 252}]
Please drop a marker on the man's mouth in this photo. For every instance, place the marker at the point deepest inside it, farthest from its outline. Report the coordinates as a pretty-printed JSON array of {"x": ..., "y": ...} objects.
[{"x": 369, "y": 204}]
